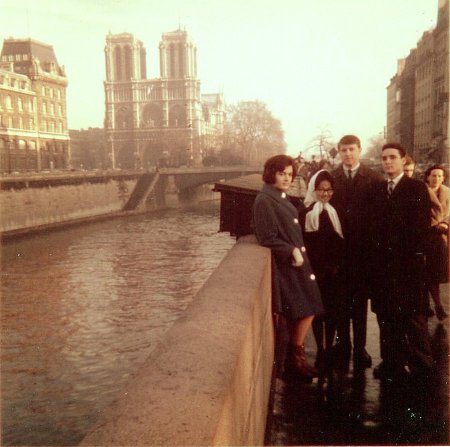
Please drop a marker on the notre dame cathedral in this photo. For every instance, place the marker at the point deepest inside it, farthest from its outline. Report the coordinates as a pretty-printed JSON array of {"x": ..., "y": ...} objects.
[{"x": 158, "y": 122}]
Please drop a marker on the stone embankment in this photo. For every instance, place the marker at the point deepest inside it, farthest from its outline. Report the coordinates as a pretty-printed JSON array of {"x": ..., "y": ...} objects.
[{"x": 38, "y": 203}]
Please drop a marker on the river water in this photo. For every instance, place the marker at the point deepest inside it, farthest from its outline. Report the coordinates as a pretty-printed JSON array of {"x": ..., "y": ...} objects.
[{"x": 82, "y": 308}]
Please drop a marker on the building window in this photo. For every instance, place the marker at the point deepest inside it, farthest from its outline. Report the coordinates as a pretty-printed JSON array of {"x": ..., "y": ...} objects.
[
  {"x": 10, "y": 121},
  {"x": 52, "y": 109},
  {"x": 44, "y": 107},
  {"x": 8, "y": 102},
  {"x": 32, "y": 145},
  {"x": 20, "y": 104},
  {"x": 20, "y": 122},
  {"x": 31, "y": 105},
  {"x": 22, "y": 145},
  {"x": 31, "y": 124}
]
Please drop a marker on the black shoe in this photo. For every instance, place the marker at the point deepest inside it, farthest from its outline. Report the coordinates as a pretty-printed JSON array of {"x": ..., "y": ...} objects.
[
  {"x": 390, "y": 373},
  {"x": 362, "y": 359},
  {"x": 440, "y": 313}
]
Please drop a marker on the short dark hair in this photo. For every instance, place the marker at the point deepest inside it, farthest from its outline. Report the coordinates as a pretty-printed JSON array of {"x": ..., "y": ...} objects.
[
  {"x": 409, "y": 160},
  {"x": 397, "y": 146},
  {"x": 349, "y": 139},
  {"x": 277, "y": 163},
  {"x": 431, "y": 168},
  {"x": 321, "y": 176}
]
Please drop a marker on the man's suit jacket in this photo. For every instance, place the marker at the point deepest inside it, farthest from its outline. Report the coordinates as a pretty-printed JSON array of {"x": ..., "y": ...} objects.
[
  {"x": 352, "y": 200},
  {"x": 400, "y": 225}
]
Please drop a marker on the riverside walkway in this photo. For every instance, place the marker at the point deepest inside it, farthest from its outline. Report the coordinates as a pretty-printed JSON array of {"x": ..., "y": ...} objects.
[{"x": 353, "y": 408}]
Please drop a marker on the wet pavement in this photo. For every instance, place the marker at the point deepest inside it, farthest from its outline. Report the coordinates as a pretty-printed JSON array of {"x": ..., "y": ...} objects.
[{"x": 353, "y": 408}]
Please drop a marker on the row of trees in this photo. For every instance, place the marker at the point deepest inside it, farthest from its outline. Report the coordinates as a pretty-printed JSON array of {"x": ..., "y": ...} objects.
[{"x": 251, "y": 135}]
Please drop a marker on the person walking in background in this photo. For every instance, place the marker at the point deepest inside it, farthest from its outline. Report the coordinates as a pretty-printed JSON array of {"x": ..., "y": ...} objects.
[
  {"x": 409, "y": 166},
  {"x": 353, "y": 185},
  {"x": 324, "y": 245},
  {"x": 401, "y": 220},
  {"x": 436, "y": 248},
  {"x": 295, "y": 292}
]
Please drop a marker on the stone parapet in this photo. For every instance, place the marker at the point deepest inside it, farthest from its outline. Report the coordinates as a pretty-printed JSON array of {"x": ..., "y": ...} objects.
[{"x": 208, "y": 381}]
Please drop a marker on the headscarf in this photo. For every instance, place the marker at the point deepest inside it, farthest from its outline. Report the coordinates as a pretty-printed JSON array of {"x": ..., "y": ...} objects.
[{"x": 312, "y": 217}]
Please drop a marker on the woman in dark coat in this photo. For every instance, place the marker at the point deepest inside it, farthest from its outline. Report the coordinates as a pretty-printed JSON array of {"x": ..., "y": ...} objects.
[
  {"x": 295, "y": 292},
  {"x": 325, "y": 244},
  {"x": 436, "y": 247}
]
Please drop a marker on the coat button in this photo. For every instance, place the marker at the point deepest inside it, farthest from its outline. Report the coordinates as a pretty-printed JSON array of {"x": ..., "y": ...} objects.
[
  {"x": 295, "y": 220},
  {"x": 283, "y": 195},
  {"x": 312, "y": 276},
  {"x": 303, "y": 249}
]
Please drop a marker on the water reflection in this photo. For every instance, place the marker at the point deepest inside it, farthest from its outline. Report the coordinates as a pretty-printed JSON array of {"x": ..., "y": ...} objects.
[{"x": 82, "y": 309}]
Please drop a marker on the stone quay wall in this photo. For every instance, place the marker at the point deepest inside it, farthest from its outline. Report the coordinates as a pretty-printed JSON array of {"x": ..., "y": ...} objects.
[
  {"x": 208, "y": 381},
  {"x": 32, "y": 204},
  {"x": 39, "y": 204}
]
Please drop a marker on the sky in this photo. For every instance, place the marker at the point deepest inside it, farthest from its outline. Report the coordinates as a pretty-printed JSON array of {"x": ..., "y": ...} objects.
[{"x": 319, "y": 65}]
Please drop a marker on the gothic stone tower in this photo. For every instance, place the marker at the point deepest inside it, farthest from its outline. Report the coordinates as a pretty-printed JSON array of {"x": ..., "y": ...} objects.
[{"x": 152, "y": 122}]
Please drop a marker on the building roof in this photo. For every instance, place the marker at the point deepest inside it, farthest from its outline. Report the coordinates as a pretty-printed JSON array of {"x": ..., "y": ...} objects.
[
  {"x": 39, "y": 50},
  {"x": 25, "y": 53}
]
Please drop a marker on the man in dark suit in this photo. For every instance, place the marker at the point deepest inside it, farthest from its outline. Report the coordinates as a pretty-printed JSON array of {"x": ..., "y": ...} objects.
[
  {"x": 353, "y": 187},
  {"x": 400, "y": 222}
]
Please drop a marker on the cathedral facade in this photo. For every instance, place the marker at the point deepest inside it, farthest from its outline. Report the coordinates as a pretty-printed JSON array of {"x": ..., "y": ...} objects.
[{"x": 158, "y": 122}]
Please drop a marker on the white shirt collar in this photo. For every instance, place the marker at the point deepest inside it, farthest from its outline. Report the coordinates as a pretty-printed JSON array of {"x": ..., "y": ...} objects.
[
  {"x": 354, "y": 169},
  {"x": 396, "y": 179}
]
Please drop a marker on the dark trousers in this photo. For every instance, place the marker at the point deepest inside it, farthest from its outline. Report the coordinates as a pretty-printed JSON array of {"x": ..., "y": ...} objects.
[
  {"x": 354, "y": 310},
  {"x": 405, "y": 340}
]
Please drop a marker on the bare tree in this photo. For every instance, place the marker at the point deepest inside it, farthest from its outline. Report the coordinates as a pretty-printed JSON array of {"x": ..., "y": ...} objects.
[
  {"x": 252, "y": 132},
  {"x": 321, "y": 144},
  {"x": 373, "y": 149}
]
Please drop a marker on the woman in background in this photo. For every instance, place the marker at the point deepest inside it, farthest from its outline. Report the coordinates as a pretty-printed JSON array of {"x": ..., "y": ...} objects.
[
  {"x": 295, "y": 293},
  {"x": 437, "y": 243}
]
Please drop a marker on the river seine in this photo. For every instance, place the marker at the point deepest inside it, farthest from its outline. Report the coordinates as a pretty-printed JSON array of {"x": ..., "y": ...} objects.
[{"x": 82, "y": 308}]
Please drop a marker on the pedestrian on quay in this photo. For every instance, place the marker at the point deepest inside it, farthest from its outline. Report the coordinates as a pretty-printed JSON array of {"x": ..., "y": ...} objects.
[
  {"x": 324, "y": 244},
  {"x": 295, "y": 293},
  {"x": 401, "y": 220},
  {"x": 353, "y": 185},
  {"x": 436, "y": 248}
]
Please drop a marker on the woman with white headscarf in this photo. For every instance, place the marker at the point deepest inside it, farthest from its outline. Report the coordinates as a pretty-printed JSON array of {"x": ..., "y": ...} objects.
[{"x": 324, "y": 244}]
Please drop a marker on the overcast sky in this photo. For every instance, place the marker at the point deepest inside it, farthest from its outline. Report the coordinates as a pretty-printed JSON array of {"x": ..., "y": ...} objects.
[{"x": 315, "y": 63}]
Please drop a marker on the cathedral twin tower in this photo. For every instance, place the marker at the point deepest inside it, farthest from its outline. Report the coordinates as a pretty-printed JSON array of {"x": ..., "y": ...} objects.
[{"x": 162, "y": 121}]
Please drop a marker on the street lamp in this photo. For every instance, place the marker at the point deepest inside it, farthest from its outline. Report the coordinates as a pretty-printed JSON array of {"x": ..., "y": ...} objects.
[{"x": 111, "y": 154}]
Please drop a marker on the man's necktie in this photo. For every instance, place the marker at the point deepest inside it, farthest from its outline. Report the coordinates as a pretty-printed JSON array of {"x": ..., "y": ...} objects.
[
  {"x": 349, "y": 174},
  {"x": 390, "y": 187}
]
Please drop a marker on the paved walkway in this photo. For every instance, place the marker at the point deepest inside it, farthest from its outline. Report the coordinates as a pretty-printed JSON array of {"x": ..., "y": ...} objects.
[{"x": 356, "y": 409}]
